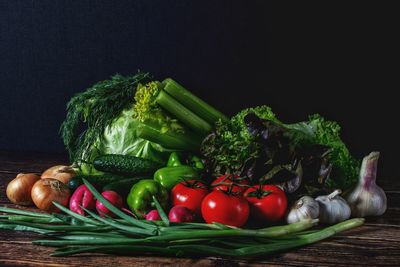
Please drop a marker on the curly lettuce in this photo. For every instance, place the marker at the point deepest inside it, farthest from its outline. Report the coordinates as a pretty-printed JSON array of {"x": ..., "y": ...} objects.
[
  {"x": 345, "y": 167},
  {"x": 231, "y": 146}
]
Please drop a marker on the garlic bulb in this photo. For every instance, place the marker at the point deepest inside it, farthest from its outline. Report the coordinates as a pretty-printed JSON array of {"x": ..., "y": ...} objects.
[
  {"x": 368, "y": 199},
  {"x": 303, "y": 209},
  {"x": 333, "y": 208}
]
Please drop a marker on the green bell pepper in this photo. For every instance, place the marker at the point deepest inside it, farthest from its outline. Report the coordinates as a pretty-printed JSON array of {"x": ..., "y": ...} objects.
[
  {"x": 179, "y": 159},
  {"x": 196, "y": 162},
  {"x": 168, "y": 177},
  {"x": 140, "y": 198},
  {"x": 174, "y": 160}
]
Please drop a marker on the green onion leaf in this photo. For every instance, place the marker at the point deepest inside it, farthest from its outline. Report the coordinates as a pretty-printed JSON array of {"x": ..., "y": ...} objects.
[
  {"x": 161, "y": 212},
  {"x": 115, "y": 210}
]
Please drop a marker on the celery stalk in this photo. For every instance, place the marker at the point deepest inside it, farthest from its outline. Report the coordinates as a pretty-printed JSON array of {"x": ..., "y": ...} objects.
[
  {"x": 169, "y": 140},
  {"x": 183, "y": 114},
  {"x": 192, "y": 102}
]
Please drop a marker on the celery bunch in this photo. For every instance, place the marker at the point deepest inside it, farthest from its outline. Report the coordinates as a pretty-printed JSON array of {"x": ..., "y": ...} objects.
[{"x": 172, "y": 116}]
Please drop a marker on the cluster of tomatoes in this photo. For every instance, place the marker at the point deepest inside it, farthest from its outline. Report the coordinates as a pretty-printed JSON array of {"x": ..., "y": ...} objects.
[{"x": 231, "y": 200}]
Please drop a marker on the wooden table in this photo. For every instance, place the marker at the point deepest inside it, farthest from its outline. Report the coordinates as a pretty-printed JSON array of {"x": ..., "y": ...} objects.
[{"x": 375, "y": 243}]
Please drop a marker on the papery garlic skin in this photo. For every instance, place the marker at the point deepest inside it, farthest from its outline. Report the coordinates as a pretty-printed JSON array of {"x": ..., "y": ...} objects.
[
  {"x": 303, "y": 209},
  {"x": 333, "y": 208},
  {"x": 368, "y": 199}
]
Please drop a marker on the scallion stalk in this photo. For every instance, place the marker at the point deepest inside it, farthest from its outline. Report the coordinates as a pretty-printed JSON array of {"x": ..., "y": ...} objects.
[
  {"x": 127, "y": 236},
  {"x": 118, "y": 250},
  {"x": 274, "y": 231},
  {"x": 24, "y": 212},
  {"x": 130, "y": 229},
  {"x": 115, "y": 210},
  {"x": 23, "y": 228},
  {"x": 33, "y": 219}
]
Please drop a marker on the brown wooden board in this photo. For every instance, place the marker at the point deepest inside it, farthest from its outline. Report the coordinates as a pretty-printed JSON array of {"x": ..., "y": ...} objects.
[{"x": 377, "y": 243}]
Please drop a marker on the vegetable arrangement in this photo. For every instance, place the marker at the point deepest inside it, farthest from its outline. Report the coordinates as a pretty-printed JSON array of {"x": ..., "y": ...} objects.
[
  {"x": 128, "y": 236},
  {"x": 156, "y": 170}
]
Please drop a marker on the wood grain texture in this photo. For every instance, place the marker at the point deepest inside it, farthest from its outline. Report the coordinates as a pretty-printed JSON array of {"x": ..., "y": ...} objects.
[{"x": 377, "y": 243}]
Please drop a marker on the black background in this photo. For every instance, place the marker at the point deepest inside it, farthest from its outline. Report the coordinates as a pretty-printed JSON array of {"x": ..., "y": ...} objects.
[{"x": 339, "y": 61}]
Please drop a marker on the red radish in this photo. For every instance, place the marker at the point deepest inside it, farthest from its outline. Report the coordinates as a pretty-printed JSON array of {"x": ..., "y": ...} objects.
[
  {"x": 113, "y": 198},
  {"x": 153, "y": 216},
  {"x": 82, "y": 197},
  {"x": 180, "y": 214},
  {"x": 129, "y": 212}
]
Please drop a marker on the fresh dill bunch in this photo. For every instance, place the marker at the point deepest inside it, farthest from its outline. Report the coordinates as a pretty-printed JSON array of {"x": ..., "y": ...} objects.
[{"x": 91, "y": 111}]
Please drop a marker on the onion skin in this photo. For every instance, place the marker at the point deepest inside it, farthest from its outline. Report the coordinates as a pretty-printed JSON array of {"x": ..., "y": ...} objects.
[
  {"x": 19, "y": 189},
  {"x": 47, "y": 190},
  {"x": 62, "y": 173},
  {"x": 114, "y": 199}
]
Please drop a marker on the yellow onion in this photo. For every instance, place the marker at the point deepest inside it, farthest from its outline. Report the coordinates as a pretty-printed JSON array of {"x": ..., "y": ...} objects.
[
  {"x": 62, "y": 173},
  {"x": 19, "y": 189},
  {"x": 47, "y": 190}
]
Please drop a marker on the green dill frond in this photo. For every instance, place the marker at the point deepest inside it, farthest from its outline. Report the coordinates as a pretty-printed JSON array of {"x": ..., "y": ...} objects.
[{"x": 91, "y": 111}]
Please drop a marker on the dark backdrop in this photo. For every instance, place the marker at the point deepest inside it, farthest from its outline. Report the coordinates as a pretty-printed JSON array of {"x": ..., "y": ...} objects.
[{"x": 337, "y": 61}]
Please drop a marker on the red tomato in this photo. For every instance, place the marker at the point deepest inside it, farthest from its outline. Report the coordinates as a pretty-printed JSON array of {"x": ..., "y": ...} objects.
[
  {"x": 267, "y": 203},
  {"x": 221, "y": 207},
  {"x": 190, "y": 195},
  {"x": 228, "y": 179}
]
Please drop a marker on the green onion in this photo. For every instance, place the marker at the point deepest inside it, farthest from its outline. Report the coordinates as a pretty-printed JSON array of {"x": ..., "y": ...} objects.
[
  {"x": 24, "y": 212},
  {"x": 161, "y": 212},
  {"x": 130, "y": 229},
  {"x": 75, "y": 215},
  {"x": 65, "y": 227},
  {"x": 77, "y": 234},
  {"x": 33, "y": 219},
  {"x": 115, "y": 210},
  {"x": 17, "y": 227},
  {"x": 261, "y": 250},
  {"x": 90, "y": 241},
  {"x": 274, "y": 231},
  {"x": 119, "y": 250}
]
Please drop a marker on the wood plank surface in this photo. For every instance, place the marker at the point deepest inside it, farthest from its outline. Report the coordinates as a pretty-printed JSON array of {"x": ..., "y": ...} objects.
[{"x": 377, "y": 243}]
